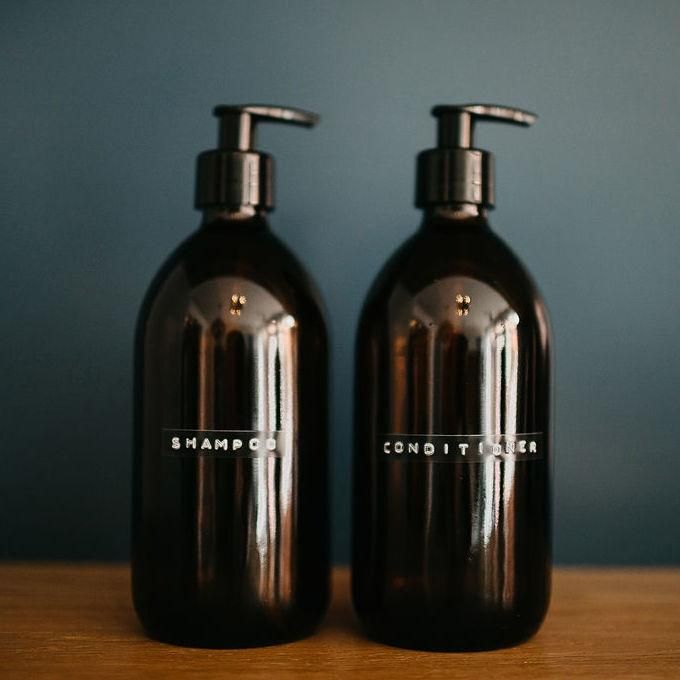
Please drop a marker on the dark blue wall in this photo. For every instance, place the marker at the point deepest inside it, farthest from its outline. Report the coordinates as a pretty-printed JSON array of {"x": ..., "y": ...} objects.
[{"x": 104, "y": 107}]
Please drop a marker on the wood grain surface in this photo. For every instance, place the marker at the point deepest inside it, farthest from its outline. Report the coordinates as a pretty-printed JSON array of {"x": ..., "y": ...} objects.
[{"x": 73, "y": 621}]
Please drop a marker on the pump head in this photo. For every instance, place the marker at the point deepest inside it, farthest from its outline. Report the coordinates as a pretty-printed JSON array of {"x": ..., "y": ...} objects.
[
  {"x": 236, "y": 175},
  {"x": 455, "y": 171}
]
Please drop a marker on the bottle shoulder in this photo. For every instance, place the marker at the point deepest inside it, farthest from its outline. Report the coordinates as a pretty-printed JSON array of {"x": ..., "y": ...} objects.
[
  {"x": 444, "y": 262},
  {"x": 237, "y": 266}
]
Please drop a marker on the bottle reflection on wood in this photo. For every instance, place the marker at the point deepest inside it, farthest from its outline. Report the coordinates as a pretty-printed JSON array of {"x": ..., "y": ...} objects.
[{"x": 451, "y": 527}]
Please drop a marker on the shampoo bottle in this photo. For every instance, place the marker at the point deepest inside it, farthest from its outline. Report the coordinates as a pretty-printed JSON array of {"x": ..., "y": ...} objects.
[
  {"x": 451, "y": 516},
  {"x": 230, "y": 519}
]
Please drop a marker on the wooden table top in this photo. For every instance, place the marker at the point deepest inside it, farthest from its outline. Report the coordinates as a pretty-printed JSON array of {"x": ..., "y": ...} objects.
[{"x": 71, "y": 621}]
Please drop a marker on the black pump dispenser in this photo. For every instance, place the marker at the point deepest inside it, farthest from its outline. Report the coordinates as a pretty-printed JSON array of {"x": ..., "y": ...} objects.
[
  {"x": 236, "y": 175},
  {"x": 455, "y": 171}
]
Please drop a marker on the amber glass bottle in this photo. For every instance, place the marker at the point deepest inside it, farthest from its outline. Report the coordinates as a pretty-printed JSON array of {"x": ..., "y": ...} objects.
[
  {"x": 230, "y": 519},
  {"x": 451, "y": 525}
]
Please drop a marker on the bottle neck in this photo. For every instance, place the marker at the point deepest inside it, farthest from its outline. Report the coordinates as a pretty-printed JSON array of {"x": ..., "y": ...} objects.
[
  {"x": 236, "y": 215},
  {"x": 456, "y": 214}
]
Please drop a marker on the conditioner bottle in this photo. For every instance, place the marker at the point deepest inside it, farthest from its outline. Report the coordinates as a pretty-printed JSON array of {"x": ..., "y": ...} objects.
[
  {"x": 451, "y": 526},
  {"x": 230, "y": 533}
]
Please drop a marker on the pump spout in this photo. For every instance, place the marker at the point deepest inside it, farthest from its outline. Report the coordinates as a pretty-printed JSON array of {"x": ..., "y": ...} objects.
[
  {"x": 238, "y": 122},
  {"x": 457, "y": 122}
]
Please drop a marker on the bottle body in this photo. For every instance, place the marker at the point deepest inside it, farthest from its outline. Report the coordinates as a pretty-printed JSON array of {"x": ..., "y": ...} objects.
[
  {"x": 451, "y": 515},
  {"x": 230, "y": 535}
]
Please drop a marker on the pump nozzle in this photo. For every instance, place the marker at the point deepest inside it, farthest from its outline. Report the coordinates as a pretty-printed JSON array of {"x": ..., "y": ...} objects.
[
  {"x": 236, "y": 175},
  {"x": 455, "y": 171},
  {"x": 237, "y": 123}
]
